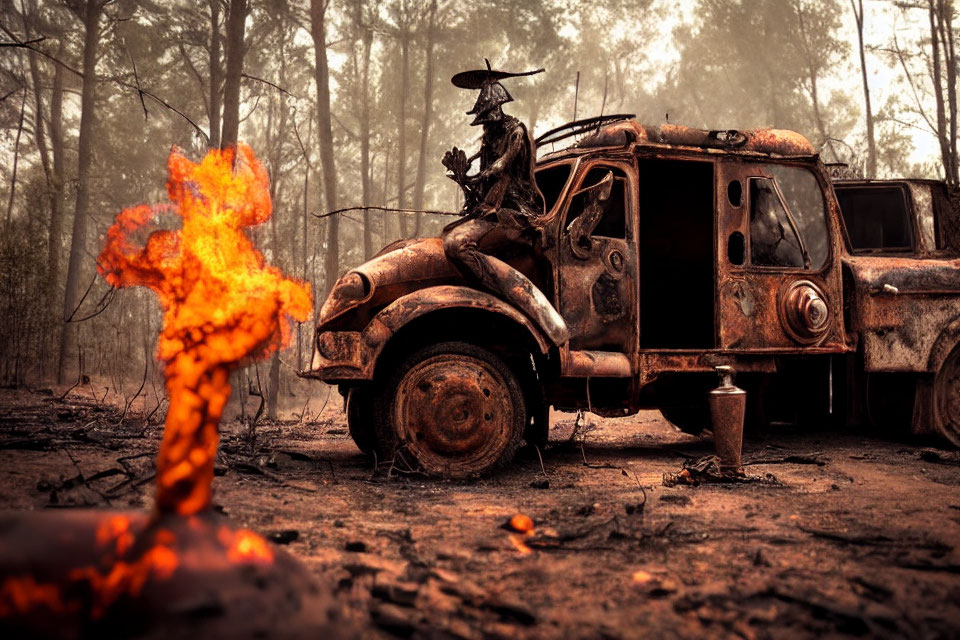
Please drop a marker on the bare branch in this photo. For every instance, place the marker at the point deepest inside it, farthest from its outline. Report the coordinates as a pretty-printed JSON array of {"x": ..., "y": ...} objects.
[
  {"x": 9, "y": 93},
  {"x": 913, "y": 87},
  {"x": 267, "y": 82},
  {"x": 23, "y": 45},
  {"x": 164, "y": 103},
  {"x": 303, "y": 150},
  {"x": 196, "y": 74},
  {"x": 136, "y": 77},
  {"x": 29, "y": 44},
  {"x": 378, "y": 208}
]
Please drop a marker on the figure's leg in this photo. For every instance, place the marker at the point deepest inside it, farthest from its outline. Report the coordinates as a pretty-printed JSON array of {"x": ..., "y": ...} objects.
[{"x": 466, "y": 246}]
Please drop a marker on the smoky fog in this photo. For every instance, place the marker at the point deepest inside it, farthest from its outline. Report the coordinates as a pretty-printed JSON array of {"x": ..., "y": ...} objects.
[{"x": 349, "y": 103}]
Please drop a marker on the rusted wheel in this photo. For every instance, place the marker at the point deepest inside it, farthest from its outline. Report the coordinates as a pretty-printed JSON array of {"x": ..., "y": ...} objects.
[
  {"x": 360, "y": 418},
  {"x": 692, "y": 418},
  {"x": 453, "y": 409},
  {"x": 946, "y": 398}
]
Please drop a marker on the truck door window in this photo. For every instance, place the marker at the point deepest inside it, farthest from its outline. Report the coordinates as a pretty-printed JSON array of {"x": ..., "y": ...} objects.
[
  {"x": 612, "y": 223},
  {"x": 773, "y": 242},
  {"x": 551, "y": 182},
  {"x": 804, "y": 199},
  {"x": 876, "y": 217}
]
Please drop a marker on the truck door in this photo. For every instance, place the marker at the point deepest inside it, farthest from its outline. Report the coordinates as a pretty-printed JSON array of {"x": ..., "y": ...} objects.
[
  {"x": 778, "y": 270},
  {"x": 596, "y": 259}
]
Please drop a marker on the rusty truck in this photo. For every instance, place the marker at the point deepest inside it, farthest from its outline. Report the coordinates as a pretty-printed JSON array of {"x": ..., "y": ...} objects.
[{"x": 832, "y": 300}]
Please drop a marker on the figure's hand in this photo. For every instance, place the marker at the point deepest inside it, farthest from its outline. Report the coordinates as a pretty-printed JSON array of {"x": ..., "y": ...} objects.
[
  {"x": 456, "y": 163},
  {"x": 449, "y": 159}
]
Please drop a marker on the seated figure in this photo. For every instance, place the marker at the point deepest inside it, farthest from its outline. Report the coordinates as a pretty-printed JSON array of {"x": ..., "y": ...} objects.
[{"x": 503, "y": 205}]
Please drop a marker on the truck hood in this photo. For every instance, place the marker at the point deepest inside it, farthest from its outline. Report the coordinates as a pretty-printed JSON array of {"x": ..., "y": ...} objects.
[
  {"x": 400, "y": 268},
  {"x": 906, "y": 274}
]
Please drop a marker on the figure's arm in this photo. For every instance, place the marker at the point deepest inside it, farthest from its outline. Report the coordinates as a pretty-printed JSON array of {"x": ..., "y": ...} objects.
[{"x": 516, "y": 141}]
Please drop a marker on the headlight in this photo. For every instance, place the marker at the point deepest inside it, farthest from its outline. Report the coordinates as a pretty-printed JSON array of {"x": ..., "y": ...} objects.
[{"x": 352, "y": 286}]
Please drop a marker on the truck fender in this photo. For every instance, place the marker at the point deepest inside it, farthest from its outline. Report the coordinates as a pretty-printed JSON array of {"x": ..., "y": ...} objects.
[{"x": 424, "y": 301}]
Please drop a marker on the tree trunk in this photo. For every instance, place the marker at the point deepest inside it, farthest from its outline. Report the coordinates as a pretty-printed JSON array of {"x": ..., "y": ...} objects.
[
  {"x": 91, "y": 23},
  {"x": 365, "y": 140},
  {"x": 54, "y": 243},
  {"x": 938, "y": 92},
  {"x": 234, "y": 68},
  {"x": 16, "y": 157},
  {"x": 871, "y": 140},
  {"x": 427, "y": 118},
  {"x": 950, "y": 64},
  {"x": 273, "y": 379},
  {"x": 38, "y": 123},
  {"x": 318, "y": 30},
  {"x": 305, "y": 230},
  {"x": 534, "y": 102},
  {"x": 402, "y": 121},
  {"x": 216, "y": 73},
  {"x": 825, "y": 138},
  {"x": 274, "y": 146},
  {"x": 813, "y": 77},
  {"x": 40, "y": 137}
]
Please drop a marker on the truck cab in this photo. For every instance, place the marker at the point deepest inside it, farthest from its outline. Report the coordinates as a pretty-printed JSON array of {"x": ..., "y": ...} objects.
[{"x": 668, "y": 251}]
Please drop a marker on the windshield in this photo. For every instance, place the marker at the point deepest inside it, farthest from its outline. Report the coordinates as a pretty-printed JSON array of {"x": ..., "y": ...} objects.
[{"x": 788, "y": 224}]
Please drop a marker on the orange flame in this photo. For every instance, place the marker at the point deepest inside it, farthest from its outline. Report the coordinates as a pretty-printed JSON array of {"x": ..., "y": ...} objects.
[
  {"x": 523, "y": 525},
  {"x": 20, "y": 594},
  {"x": 245, "y": 546},
  {"x": 222, "y": 304},
  {"x": 126, "y": 578}
]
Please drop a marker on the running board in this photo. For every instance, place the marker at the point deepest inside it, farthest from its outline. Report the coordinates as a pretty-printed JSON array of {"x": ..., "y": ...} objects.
[{"x": 596, "y": 364}]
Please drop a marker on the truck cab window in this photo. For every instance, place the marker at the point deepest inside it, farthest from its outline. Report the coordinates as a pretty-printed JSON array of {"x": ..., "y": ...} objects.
[
  {"x": 876, "y": 217},
  {"x": 804, "y": 199},
  {"x": 551, "y": 182},
  {"x": 612, "y": 221},
  {"x": 773, "y": 242}
]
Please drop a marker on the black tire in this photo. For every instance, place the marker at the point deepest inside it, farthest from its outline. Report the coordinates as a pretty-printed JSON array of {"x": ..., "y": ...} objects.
[
  {"x": 360, "y": 418},
  {"x": 946, "y": 399},
  {"x": 689, "y": 418},
  {"x": 694, "y": 417},
  {"x": 889, "y": 399},
  {"x": 451, "y": 409}
]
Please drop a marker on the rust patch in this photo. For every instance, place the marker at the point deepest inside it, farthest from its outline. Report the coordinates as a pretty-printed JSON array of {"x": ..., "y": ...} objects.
[{"x": 903, "y": 308}]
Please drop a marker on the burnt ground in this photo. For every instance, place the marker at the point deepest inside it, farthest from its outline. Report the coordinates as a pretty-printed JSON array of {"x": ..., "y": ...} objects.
[{"x": 842, "y": 535}]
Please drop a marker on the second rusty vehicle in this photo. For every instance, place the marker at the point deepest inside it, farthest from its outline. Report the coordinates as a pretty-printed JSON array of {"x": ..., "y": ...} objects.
[{"x": 709, "y": 248}]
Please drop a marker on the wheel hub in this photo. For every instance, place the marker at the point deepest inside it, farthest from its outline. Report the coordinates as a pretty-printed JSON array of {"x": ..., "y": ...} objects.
[{"x": 453, "y": 407}]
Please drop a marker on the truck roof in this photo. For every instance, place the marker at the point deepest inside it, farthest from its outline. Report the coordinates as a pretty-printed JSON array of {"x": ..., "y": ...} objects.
[{"x": 623, "y": 132}]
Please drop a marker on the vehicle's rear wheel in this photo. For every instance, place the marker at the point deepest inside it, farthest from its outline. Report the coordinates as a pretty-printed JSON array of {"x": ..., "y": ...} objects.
[
  {"x": 453, "y": 409},
  {"x": 360, "y": 418},
  {"x": 889, "y": 400},
  {"x": 946, "y": 398},
  {"x": 692, "y": 418}
]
